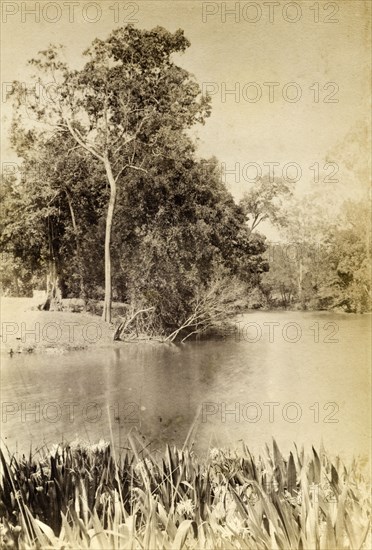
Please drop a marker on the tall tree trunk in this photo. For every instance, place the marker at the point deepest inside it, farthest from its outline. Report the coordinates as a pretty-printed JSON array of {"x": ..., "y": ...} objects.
[
  {"x": 300, "y": 279},
  {"x": 54, "y": 294},
  {"x": 78, "y": 248},
  {"x": 106, "y": 314}
]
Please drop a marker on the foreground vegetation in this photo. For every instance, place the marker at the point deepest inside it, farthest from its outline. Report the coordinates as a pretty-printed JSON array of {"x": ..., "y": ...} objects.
[{"x": 79, "y": 496}]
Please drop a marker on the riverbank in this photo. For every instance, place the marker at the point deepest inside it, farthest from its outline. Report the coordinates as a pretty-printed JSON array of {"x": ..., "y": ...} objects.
[
  {"x": 25, "y": 329},
  {"x": 229, "y": 499}
]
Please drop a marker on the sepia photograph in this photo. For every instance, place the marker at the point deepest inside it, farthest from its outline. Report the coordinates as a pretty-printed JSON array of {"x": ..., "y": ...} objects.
[{"x": 186, "y": 297}]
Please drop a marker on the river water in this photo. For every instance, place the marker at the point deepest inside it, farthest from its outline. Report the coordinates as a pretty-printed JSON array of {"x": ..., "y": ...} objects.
[{"x": 298, "y": 377}]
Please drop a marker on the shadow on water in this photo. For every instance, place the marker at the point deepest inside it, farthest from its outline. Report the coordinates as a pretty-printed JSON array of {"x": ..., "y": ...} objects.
[{"x": 247, "y": 388}]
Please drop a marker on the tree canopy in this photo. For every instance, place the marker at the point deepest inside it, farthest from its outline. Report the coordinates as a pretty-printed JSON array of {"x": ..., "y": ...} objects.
[
  {"x": 120, "y": 206},
  {"x": 114, "y": 203}
]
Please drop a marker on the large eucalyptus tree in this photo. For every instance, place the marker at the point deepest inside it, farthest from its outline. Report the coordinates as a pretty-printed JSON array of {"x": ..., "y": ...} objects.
[{"x": 117, "y": 107}]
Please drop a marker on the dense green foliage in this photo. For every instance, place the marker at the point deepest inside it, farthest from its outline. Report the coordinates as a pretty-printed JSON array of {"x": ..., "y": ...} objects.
[
  {"x": 329, "y": 270},
  {"x": 51, "y": 214},
  {"x": 113, "y": 201},
  {"x": 175, "y": 229},
  {"x": 116, "y": 191}
]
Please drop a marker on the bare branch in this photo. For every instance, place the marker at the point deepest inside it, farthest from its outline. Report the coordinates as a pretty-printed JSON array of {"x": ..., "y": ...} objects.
[
  {"x": 81, "y": 142},
  {"x": 138, "y": 168}
]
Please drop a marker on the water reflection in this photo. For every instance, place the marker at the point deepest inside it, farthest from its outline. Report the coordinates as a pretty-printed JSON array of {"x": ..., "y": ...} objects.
[{"x": 157, "y": 389}]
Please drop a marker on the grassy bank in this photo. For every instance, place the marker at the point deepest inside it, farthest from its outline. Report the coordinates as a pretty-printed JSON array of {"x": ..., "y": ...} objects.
[
  {"x": 25, "y": 329},
  {"x": 81, "y": 496}
]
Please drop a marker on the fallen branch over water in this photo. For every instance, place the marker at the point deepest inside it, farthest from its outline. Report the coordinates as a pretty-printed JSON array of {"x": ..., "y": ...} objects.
[{"x": 123, "y": 326}]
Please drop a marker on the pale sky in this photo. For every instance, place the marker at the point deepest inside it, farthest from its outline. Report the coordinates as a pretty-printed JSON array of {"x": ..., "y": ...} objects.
[{"x": 231, "y": 54}]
